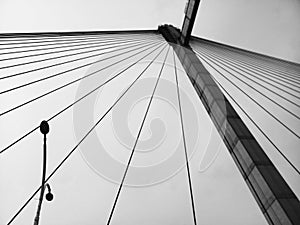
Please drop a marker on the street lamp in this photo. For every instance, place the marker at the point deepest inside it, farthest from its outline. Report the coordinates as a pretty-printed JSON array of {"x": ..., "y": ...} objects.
[{"x": 44, "y": 128}]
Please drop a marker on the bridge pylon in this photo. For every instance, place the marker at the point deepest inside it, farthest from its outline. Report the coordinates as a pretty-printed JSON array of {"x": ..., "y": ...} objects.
[{"x": 275, "y": 198}]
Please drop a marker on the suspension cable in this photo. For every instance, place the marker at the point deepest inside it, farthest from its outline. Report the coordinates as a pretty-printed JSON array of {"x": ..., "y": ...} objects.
[
  {"x": 258, "y": 83},
  {"x": 136, "y": 141},
  {"x": 256, "y": 62},
  {"x": 252, "y": 67},
  {"x": 94, "y": 49},
  {"x": 49, "y": 40},
  {"x": 10, "y": 40},
  {"x": 69, "y": 61},
  {"x": 184, "y": 144},
  {"x": 267, "y": 97},
  {"x": 256, "y": 125},
  {"x": 72, "y": 104},
  {"x": 257, "y": 103},
  {"x": 73, "y": 81},
  {"x": 258, "y": 74},
  {"x": 57, "y": 42},
  {"x": 80, "y": 43},
  {"x": 74, "y": 60},
  {"x": 77, "y": 145},
  {"x": 37, "y": 37}
]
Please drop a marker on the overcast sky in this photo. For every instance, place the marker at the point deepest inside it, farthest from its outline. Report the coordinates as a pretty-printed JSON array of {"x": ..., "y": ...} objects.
[
  {"x": 81, "y": 195},
  {"x": 268, "y": 26}
]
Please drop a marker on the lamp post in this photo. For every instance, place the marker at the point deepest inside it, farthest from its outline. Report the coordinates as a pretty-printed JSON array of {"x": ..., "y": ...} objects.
[{"x": 44, "y": 128}]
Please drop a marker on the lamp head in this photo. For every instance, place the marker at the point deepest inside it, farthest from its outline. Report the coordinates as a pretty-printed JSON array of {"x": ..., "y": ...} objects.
[
  {"x": 44, "y": 127},
  {"x": 49, "y": 196}
]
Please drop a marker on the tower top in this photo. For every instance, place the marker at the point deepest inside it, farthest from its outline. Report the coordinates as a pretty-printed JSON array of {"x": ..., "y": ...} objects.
[{"x": 190, "y": 13}]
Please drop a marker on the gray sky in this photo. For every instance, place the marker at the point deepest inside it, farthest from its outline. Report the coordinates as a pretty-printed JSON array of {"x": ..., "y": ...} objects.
[
  {"x": 81, "y": 195},
  {"x": 268, "y": 26}
]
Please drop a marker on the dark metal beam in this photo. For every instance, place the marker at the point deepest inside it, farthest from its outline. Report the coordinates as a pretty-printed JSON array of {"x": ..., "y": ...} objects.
[
  {"x": 275, "y": 198},
  {"x": 190, "y": 13},
  {"x": 74, "y": 33}
]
